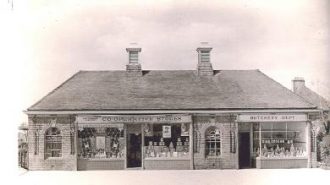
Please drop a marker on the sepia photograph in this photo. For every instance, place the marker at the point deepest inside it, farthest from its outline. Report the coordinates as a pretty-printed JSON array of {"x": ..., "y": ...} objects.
[{"x": 166, "y": 92}]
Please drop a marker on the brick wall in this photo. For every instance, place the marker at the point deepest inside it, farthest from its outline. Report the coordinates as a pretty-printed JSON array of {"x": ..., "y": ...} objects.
[
  {"x": 39, "y": 124},
  {"x": 228, "y": 158}
]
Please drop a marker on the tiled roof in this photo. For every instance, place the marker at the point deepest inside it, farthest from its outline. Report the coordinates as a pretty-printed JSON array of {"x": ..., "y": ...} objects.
[
  {"x": 176, "y": 89},
  {"x": 313, "y": 98}
]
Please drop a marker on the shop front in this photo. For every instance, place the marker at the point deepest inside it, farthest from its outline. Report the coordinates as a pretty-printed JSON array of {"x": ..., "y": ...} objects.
[
  {"x": 101, "y": 146},
  {"x": 274, "y": 141},
  {"x": 167, "y": 146},
  {"x": 114, "y": 142}
]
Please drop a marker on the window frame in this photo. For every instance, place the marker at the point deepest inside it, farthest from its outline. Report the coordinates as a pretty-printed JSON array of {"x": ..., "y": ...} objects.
[
  {"x": 55, "y": 146},
  {"x": 216, "y": 147}
]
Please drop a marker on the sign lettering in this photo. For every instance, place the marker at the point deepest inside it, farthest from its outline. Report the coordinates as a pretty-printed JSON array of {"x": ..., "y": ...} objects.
[
  {"x": 174, "y": 118},
  {"x": 271, "y": 117}
]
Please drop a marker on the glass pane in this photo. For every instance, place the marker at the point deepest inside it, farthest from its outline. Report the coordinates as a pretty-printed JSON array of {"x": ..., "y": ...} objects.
[
  {"x": 218, "y": 152},
  {"x": 100, "y": 147},
  {"x": 101, "y": 142},
  {"x": 279, "y": 130},
  {"x": 282, "y": 140},
  {"x": 53, "y": 143},
  {"x": 212, "y": 142}
]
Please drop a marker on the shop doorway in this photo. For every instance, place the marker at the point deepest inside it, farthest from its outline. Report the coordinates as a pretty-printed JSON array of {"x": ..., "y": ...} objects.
[
  {"x": 134, "y": 142},
  {"x": 244, "y": 150}
]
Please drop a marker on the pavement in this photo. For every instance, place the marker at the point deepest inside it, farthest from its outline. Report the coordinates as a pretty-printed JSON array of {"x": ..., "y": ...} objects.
[{"x": 181, "y": 177}]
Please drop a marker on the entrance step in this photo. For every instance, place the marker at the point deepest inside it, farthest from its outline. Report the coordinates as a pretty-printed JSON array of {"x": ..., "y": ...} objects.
[{"x": 134, "y": 168}]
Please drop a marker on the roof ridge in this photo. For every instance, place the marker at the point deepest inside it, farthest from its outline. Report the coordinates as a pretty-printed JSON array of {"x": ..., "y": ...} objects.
[
  {"x": 286, "y": 89},
  {"x": 53, "y": 91}
]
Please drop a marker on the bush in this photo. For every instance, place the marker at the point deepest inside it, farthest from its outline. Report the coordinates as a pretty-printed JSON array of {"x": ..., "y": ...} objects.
[{"x": 325, "y": 150}]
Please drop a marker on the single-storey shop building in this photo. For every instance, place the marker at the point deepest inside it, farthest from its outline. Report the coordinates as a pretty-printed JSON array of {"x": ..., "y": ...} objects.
[{"x": 171, "y": 119}]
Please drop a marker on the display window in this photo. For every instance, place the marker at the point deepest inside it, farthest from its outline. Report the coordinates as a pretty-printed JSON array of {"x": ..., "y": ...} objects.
[
  {"x": 166, "y": 140},
  {"x": 101, "y": 142},
  {"x": 276, "y": 140}
]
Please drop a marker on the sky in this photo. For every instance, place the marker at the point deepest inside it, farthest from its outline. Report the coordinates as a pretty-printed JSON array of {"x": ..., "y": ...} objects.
[{"x": 46, "y": 42}]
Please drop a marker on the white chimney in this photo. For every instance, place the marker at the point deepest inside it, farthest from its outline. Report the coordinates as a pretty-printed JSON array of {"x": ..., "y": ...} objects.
[
  {"x": 133, "y": 66},
  {"x": 204, "y": 67},
  {"x": 297, "y": 84}
]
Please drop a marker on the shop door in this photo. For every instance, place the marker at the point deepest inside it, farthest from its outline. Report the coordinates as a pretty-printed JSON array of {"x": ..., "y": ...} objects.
[
  {"x": 244, "y": 150},
  {"x": 134, "y": 141}
]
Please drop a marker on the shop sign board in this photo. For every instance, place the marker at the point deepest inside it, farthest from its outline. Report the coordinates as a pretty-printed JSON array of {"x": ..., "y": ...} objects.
[
  {"x": 172, "y": 118},
  {"x": 271, "y": 117}
]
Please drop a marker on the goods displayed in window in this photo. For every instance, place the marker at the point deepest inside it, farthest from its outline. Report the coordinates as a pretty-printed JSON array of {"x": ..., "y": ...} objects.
[
  {"x": 166, "y": 141},
  {"x": 279, "y": 140},
  {"x": 101, "y": 143}
]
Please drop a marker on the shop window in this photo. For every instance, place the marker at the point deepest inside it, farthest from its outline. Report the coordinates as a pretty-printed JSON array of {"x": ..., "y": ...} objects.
[
  {"x": 166, "y": 140},
  {"x": 53, "y": 143},
  {"x": 212, "y": 142},
  {"x": 101, "y": 142},
  {"x": 275, "y": 140}
]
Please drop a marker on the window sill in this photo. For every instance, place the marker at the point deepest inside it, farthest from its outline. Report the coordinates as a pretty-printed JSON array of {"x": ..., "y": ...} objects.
[
  {"x": 102, "y": 159},
  {"x": 54, "y": 158},
  {"x": 166, "y": 158},
  {"x": 213, "y": 157},
  {"x": 281, "y": 158}
]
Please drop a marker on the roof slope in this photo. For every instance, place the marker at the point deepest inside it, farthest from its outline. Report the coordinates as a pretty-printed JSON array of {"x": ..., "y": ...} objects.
[
  {"x": 180, "y": 89},
  {"x": 313, "y": 98}
]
